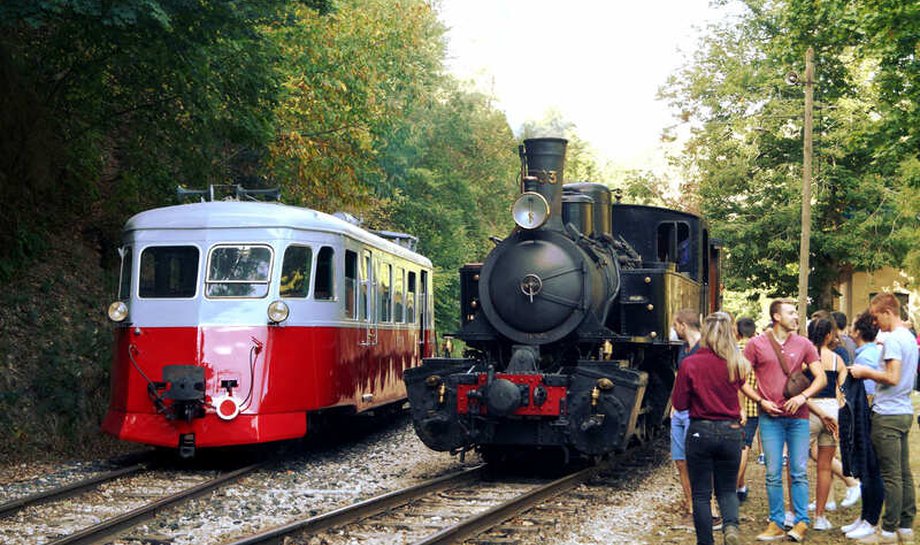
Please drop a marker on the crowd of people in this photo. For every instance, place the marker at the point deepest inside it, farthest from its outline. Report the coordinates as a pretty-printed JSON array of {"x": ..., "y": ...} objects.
[{"x": 840, "y": 395}]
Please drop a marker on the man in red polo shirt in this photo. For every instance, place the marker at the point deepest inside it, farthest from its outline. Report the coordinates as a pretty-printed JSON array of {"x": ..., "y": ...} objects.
[{"x": 783, "y": 421}]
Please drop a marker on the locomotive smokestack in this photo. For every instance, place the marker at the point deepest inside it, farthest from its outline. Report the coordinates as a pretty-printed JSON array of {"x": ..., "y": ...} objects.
[{"x": 545, "y": 165}]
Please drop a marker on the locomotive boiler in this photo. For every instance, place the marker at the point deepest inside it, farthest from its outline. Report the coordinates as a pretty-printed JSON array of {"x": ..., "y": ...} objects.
[{"x": 567, "y": 322}]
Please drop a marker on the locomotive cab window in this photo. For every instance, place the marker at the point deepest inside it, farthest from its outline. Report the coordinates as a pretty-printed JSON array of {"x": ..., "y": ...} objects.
[
  {"x": 674, "y": 244},
  {"x": 295, "y": 271},
  {"x": 124, "y": 279},
  {"x": 239, "y": 271},
  {"x": 324, "y": 287},
  {"x": 168, "y": 272}
]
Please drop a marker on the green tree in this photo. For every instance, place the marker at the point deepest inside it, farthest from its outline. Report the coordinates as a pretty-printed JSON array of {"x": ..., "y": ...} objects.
[
  {"x": 744, "y": 157},
  {"x": 107, "y": 106}
]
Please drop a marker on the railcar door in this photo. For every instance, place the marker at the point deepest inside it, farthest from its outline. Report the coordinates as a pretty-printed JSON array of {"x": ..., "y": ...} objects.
[
  {"x": 424, "y": 307},
  {"x": 367, "y": 305}
]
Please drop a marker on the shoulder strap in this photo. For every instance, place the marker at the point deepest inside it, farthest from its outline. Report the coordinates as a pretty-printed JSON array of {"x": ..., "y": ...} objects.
[{"x": 779, "y": 352}]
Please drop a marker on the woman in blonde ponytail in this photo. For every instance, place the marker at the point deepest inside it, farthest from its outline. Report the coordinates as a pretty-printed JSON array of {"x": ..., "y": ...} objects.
[{"x": 707, "y": 385}]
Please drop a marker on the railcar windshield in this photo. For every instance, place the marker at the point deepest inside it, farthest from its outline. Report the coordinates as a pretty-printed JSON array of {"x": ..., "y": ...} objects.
[
  {"x": 239, "y": 271},
  {"x": 168, "y": 272}
]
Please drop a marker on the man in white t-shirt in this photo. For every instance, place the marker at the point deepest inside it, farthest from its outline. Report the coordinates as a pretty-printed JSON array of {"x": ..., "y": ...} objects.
[{"x": 892, "y": 416}]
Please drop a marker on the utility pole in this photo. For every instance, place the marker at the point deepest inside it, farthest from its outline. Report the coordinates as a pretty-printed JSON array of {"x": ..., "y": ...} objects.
[{"x": 806, "y": 189}]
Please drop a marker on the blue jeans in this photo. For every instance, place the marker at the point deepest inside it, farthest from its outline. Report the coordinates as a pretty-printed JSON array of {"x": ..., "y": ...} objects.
[
  {"x": 680, "y": 421},
  {"x": 713, "y": 457},
  {"x": 793, "y": 433}
]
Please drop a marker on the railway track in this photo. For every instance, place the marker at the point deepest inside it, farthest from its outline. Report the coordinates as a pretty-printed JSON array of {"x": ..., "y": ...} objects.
[
  {"x": 110, "y": 503},
  {"x": 447, "y": 510}
]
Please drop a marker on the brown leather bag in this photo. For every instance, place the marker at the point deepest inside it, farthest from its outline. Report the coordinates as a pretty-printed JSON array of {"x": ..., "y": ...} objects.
[{"x": 796, "y": 381}]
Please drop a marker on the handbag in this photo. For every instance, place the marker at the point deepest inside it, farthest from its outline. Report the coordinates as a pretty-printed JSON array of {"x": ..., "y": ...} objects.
[{"x": 796, "y": 381}]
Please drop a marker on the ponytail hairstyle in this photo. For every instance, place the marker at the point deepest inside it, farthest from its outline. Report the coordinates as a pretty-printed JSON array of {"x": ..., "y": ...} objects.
[
  {"x": 818, "y": 330},
  {"x": 718, "y": 335}
]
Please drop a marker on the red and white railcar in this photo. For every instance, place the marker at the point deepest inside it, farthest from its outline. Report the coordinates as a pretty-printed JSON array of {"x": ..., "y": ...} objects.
[{"x": 238, "y": 320}]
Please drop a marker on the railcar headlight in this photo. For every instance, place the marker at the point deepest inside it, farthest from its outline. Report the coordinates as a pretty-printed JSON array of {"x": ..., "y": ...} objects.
[
  {"x": 530, "y": 210},
  {"x": 278, "y": 312},
  {"x": 118, "y": 311}
]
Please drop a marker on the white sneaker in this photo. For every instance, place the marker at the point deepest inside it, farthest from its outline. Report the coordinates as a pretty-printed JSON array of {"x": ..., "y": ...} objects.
[
  {"x": 822, "y": 523},
  {"x": 789, "y": 519},
  {"x": 831, "y": 505},
  {"x": 863, "y": 530},
  {"x": 906, "y": 536},
  {"x": 852, "y": 526},
  {"x": 853, "y": 495}
]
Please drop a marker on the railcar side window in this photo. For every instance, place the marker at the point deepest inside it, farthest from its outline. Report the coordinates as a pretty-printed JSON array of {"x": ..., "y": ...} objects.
[
  {"x": 295, "y": 271},
  {"x": 351, "y": 281},
  {"x": 239, "y": 271},
  {"x": 324, "y": 288},
  {"x": 398, "y": 287},
  {"x": 410, "y": 299},
  {"x": 385, "y": 295},
  {"x": 169, "y": 272},
  {"x": 124, "y": 282}
]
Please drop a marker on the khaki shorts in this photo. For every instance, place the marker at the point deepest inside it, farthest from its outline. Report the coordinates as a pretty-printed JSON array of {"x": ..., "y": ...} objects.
[{"x": 816, "y": 429}]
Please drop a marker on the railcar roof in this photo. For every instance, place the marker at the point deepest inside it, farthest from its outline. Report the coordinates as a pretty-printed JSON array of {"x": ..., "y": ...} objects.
[{"x": 258, "y": 215}]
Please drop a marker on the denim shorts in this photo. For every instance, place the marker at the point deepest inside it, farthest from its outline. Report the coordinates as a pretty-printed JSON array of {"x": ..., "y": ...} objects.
[
  {"x": 679, "y": 424},
  {"x": 750, "y": 429}
]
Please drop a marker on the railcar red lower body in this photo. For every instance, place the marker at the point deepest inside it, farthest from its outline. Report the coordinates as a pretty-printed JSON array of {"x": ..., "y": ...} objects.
[{"x": 274, "y": 376}]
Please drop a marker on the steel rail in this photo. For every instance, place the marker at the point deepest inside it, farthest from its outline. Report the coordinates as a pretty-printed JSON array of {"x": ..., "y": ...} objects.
[
  {"x": 361, "y": 510},
  {"x": 69, "y": 490},
  {"x": 121, "y": 522},
  {"x": 500, "y": 513}
]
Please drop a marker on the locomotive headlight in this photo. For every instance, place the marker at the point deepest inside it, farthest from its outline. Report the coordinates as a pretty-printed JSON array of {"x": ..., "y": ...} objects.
[
  {"x": 118, "y": 311},
  {"x": 530, "y": 210},
  {"x": 278, "y": 312}
]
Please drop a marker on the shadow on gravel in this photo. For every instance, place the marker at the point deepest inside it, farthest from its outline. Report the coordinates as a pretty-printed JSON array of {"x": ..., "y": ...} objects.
[
  {"x": 324, "y": 435},
  {"x": 518, "y": 462}
]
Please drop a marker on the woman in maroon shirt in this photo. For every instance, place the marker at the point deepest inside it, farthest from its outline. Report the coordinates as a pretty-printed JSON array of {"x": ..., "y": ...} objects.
[{"x": 707, "y": 385}]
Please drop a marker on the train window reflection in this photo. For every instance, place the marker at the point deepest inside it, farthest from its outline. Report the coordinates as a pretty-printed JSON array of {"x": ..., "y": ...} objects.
[
  {"x": 324, "y": 288},
  {"x": 385, "y": 297},
  {"x": 239, "y": 271},
  {"x": 351, "y": 281},
  {"x": 295, "y": 271},
  {"x": 410, "y": 299},
  {"x": 168, "y": 272},
  {"x": 398, "y": 294}
]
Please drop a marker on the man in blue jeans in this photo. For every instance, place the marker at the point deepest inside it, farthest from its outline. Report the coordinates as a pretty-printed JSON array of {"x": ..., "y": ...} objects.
[{"x": 783, "y": 422}]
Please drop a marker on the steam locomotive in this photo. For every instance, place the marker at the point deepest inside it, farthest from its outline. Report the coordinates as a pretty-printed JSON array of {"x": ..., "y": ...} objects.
[{"x": 567, "y": 322}]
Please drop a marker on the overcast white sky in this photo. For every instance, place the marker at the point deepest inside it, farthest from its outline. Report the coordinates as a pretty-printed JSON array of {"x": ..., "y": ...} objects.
[{"x": 599, "y": 62}]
